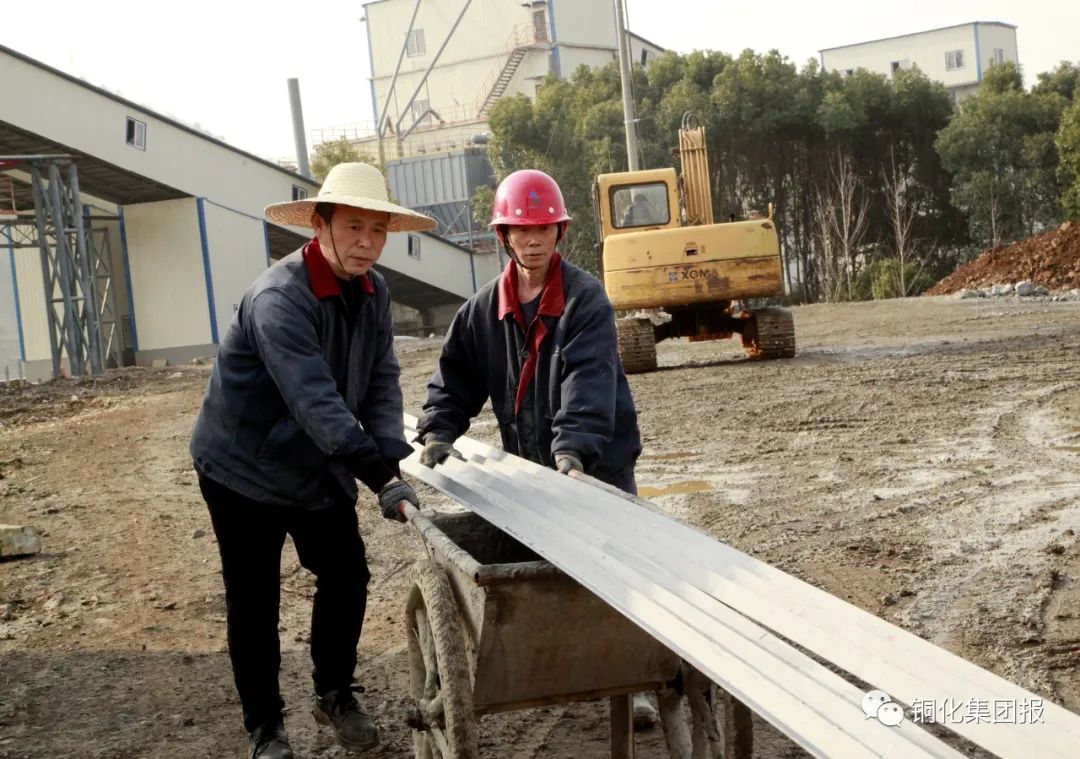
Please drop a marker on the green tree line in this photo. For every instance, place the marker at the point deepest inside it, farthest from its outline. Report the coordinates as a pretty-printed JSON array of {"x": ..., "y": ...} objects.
[{"x": 880, "y": 185}]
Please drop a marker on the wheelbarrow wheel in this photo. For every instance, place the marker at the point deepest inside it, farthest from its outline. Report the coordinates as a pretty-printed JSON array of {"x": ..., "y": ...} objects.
[{"x": 444, "y": 724}]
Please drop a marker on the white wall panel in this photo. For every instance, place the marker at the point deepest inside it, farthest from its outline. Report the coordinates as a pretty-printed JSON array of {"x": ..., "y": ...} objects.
[
  {"x": 570, "y": 58},
  {"x": 993, "y": 36},
  {"x": 167, "y": 274},
  {"x": 927, "y": 50},
  {"x": 236, "y": 244},
  {"x": 589, "y": 23},
  {"x": 32, "y": 309}
]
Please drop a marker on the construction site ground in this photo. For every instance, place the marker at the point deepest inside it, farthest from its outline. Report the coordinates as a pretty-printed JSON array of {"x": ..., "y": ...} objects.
[{"x": 919, "y": 458}]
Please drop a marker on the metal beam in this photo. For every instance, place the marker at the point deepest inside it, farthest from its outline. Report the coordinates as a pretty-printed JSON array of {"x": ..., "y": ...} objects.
[
  {"x": 381, "y": 115},
  {"x": 716, "y": 606},
  {"x": 423, "y": 80},
  {"x": 71, "y": 269}
]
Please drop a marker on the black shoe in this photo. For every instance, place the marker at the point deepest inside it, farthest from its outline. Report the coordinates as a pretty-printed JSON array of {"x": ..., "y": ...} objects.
[
  {"x": 269, "y": 741},
  {"x": 355, "y": 730}
]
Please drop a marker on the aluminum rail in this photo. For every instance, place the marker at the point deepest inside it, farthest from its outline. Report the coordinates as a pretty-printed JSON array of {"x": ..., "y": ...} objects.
[
  {"x": 870, "y": 648},
  {"x": 715, "y": 606}
]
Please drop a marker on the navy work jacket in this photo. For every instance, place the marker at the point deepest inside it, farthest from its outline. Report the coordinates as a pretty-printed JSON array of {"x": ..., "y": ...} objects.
[
  {"x": 305, "y": 394},
  {"x": 555, "y": 384}
]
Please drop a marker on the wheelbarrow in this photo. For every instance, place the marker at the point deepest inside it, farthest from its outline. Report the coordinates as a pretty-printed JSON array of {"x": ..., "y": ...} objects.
[{"x": 492, "y": 627}]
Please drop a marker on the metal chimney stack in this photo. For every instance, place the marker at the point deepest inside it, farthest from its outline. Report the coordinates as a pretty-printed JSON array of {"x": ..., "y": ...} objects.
[{"x": 298, "y": 128}]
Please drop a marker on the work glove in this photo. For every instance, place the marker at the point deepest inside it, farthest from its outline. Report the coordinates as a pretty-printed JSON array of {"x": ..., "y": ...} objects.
[
  {"x": 568, "y": 461},
  {"x": 394, "y": 493},
  {"x": 437, "y": 451}
]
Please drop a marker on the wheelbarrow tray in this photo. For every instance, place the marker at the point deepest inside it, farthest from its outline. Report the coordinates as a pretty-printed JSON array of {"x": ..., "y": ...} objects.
[{"x": 534, "y": 635}]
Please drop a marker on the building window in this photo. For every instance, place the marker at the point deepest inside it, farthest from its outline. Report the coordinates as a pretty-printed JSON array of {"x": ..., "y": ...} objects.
[
  {"x": 640, "y": 205},
  {"x": 414, "y": 247},
  {"x": 299, "y": 193},
  {"x": 540, "y": 27},
  {"x": 136, "y": 133},
  {"x": 414, "y": 43},
  {"x": 999, "y": 57},
  {"x": 954, "y": 59},
  {"x": 849, "y": 72},
  {"x": 646, "y": 56},
  {"x": 899, "y": 66},
  {"x": 421, "y": 112}
]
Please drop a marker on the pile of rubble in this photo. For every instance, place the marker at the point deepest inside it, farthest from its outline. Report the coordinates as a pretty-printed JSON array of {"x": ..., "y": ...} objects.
[
  {"x": 1050, "y": 261},
  {"x": 1024, "y": 289}
]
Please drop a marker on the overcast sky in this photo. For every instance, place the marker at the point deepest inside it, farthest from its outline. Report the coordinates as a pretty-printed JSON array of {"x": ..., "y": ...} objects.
[{"x": 223, "y": 65}]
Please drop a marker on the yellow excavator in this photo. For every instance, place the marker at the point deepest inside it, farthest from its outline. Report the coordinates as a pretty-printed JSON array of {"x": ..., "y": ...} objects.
[{"x": 671, "y": 271}]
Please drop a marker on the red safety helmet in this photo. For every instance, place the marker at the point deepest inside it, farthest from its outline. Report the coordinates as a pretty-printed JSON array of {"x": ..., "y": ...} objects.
[{"x": 528, "y": 198}]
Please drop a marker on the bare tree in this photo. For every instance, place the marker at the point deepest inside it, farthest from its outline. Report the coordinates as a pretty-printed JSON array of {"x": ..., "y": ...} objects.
[
  {"x": 849, "y": 217},
  {"x": 832, "y": 278},
  {"x": 840, "y": 217},
  {"x": 901, "y": 215},
  {"x": 995, "y": 217}
]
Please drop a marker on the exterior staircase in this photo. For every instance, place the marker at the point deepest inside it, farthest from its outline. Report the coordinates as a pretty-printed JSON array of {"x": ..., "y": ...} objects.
[{"x": 498, "y": 89}]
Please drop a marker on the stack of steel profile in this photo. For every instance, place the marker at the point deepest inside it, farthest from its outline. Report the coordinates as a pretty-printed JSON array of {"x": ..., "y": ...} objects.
[{"x": 735, "y": 618}]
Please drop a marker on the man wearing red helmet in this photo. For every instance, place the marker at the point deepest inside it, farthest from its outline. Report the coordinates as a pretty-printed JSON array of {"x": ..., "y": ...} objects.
[{"x": 540, "y": 342}]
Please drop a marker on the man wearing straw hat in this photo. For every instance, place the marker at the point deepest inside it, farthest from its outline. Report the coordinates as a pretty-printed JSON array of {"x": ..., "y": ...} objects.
[{"x": 303, "y": 401}]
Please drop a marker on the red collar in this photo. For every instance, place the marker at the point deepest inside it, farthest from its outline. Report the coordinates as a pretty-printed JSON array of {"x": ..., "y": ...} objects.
[
  {"x": 552, "y": 300},
  {"x": 324, "y": 283}
]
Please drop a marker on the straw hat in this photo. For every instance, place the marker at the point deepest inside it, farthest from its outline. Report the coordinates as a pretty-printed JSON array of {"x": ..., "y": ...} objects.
[{"x": 358, "y": 185}]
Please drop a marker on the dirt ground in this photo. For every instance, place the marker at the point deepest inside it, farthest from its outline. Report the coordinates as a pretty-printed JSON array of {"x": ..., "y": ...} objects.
[{"x": 919, "y": 458}]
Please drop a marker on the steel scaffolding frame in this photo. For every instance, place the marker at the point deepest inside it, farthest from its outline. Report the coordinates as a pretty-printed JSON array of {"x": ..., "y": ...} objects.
[{"x": 75, "y": 265}]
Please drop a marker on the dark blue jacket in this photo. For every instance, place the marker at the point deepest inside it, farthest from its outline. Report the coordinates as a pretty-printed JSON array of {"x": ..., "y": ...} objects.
[
  {"x": 306, "y": 358},
  {"x": 555, "y": 385}
]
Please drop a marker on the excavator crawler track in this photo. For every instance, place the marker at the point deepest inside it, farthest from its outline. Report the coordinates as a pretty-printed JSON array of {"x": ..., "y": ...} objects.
[
  {"x": 769, "y": 333},
  {"x": 637, "y": 344}
]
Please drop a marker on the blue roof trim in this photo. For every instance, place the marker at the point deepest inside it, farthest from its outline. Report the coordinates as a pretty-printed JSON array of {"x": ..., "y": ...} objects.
[
  {"x": 15, "y": 289},
  {"x": 556, "y": 66},
  {"x": 201, "y": 206},
  {"x": 978, "y": 56},
  {"x": 127, "y": 281},
  {"x": 266, "y": 242}
]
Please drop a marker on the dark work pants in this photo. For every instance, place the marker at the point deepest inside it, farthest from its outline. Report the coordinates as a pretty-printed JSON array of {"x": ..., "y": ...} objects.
[{"x": 250, "y": 537}]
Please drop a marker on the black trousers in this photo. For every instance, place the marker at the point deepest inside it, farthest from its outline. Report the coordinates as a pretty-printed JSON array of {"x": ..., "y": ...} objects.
[{"x": 250, "y": 537}]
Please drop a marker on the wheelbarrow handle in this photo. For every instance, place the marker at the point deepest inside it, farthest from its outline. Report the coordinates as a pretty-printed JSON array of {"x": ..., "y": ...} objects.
[{"x": 407, "y": 510}]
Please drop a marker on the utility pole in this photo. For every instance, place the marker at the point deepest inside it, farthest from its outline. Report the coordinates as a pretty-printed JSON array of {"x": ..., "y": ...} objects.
[
  {"x": 624, "y": 76},
  {"x": 299, "y": 135}
]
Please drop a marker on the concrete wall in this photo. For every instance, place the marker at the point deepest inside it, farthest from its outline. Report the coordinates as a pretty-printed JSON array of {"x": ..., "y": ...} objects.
[
  {"x": 92, "y": 121},
  {"x": 928, "y": 50}
]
